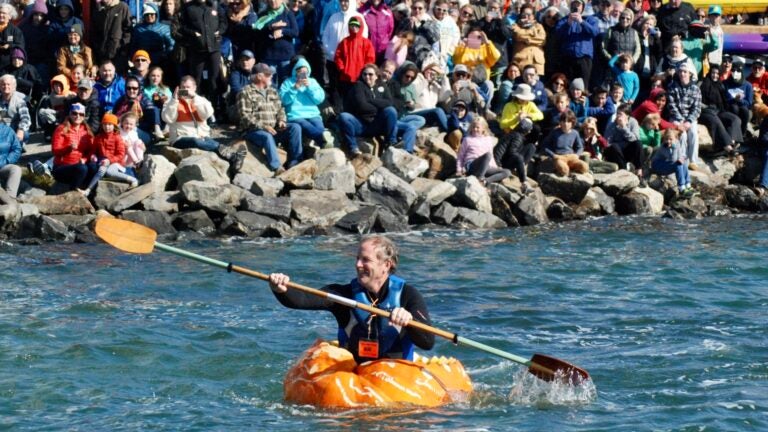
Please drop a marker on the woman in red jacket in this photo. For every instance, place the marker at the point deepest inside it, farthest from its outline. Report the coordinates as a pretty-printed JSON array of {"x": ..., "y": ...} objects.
[{"x": 72, "y": 148}]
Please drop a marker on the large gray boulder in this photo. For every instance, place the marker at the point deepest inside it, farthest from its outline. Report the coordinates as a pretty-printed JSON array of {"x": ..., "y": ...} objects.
[
  {"x": 195, "y": 220},
  {"x": 634, "y": 203},
  {"x": 389, "y": 221},
  {"x": 478, "y": 219},
  {"x": 323, "y": 208},
  {"x": 444, "y": 214},
  {"x": 259, "y": 185},
  {"x": 338, "y": 178},
  {"x": 130, "y": 198},
  {"x": 361, "y": 221},
  {"x": 471, "y": 193},
  {"x": 107, "y": 192},
  {"x": 388, "y": 190},
  {"x": 531, "y": 209},
  {"x": 572, "y": 188},
  {"x": 207, "y": 168},
  {"x": 724, "y": 167},
  {"x": 433, "y": 192},
  {"x": 160, "y": 222},
  {"x": 365, "y": 165},
  {"x": 278, "y": 208},
  {"x": 10, "y": 215},
  {"x": 157, "y": 171},
  {"x": 617, "y": 183},
  {"x": 301, "y": 175},
  {"x": 741, "y": 197},
  {"x": 218, "y": 198},
  {"x": 249, "y": 224},
  {"x": 606, "y": 202},
  {"x": 655, "y": 199},
  {"x": 68, "y": 203},
  {"x": 166, "y": 201},
  {"x": 403, "y": 164}
]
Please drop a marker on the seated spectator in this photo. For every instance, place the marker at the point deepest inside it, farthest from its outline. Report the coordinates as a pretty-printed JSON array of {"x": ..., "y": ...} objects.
[
  {"x": 458, "y": 124},
  {"x": 14, "y": 111},
  {"x": 135, "y": 102},
  {"x": 141, "y": 62},
  {"x": 655, "y": 104},
  {"x": 762, "y": 141},
  {"x": 475, "y": 155},
  {"x": 397, "y": 48},
  {"x": 602, "y": 108},
  {"x": 28, "y": 80},
  {"x": 531, "y": 77},
  {"x": 432, "y": 90},
  {"x": 650, "y": 133},
  {"x": 110, "y": 86},
  {"x": 521, "y": 106},
  {"x": 403, "y": 94},
  {"x": 579, "y": 100},
  {"x": 238, "y": 79},
  {"x": 514, "y": 151},
  {"x": 53, "y": 108},
  {"x": 564, "y": 146},
  {"x": 759, "y": 80},
  {"x": 624, "y": 147},
  {"x": 594, "y": 143},
  {"x": 552, "y": 115},
  {"x": 72, "y": 149},
  {"x": 90, "y": 100},
  {"x": 697, "y": 43},
  {"x": 684, "y": 111},
  {"x": 671, "y": 158},
  {"x": 264, "y": 123},
  {"x": 621, "y": 66},
  {"x": 465, "y": 89},
  {"x": 10, "y": 173},
  {"x": 186, "y": 114},
  {"x": 108, "y": 146},
  {"x": 724, "y": 126},
  {"x": 508, "y": 83},
  {"x": 673, "y": 59},
  {"x": 155, "y": 89},
  {"x": 134, "y": 146},
  {"x": 153, "y": 36},
  {"x": 368, "y": 111},
  {"x": 740, "y": 95},
  {"x": 558, "y": 83},
  {"x": 352, "y": 54},
  {"x": 62, "y": 21},
  {"x": 74, "y": 52},
  {"x": 301, "y": 95}
]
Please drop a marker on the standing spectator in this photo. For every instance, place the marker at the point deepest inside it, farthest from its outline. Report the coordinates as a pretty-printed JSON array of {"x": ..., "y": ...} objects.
[
  {"x": 622, "y": 70},
  {"x": 62, "y": 19},
  {"x": 74, "y": 52},
  {"x": 352, "y": 54},
  {"x": 110, "y": 86},
  {"x": 263, "y": 120},
  {"x": 301, "y": 95},
  {"x": 674, "y": 18},
  {"x": 201, "y": 27},
  {"x": 338, "y": 28},
  {"x": 378, "y": 17},
  {"x": 13, "y": 108},
  {"x": 576, "y": 36},
  {"x": 497, "y": 31},
  {"x": 530, "y": 38},
  {"x": 276, "y": 29},
  {"x": 476, "y": 50},
  {"x": 37, "y": 33},
  {"x": 186, "y": 114},
  {"x": 240, "y": 34},
  {"x": 449, "y": 31},
  {"x": 684, "y": 110},
  {"x": 714, "y": 20},
  {"x": 650, "y": 54},
  {"x": 674, "y": 59},
  {"x": 72, "y": 149},
  {"x": 111, "y": 33},
  {"x": 10, "y": 35},
  {"x": 10, "y": 173},
  {"x": 368, "y": 111},
  {"x": 698, "y": 43},
  {"x": 153, "y": 36},
  {"x": 552, "y": 62},
  {"x": 622, "y": 39}
]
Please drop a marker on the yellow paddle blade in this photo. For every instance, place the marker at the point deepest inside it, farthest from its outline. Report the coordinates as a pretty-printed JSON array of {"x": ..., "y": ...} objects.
[{"x": 126, "y": 235}]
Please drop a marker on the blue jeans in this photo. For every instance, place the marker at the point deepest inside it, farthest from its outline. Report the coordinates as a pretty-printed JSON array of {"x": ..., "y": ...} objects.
[
  {"x": 407, "y": 127},
  {"x": 282, "y": 70},
  {"x": 434, "y": 117},
  {"x": 198, "y": 143},
  {"x": 290, "y": 137},
  {"x": 663, "y": 167},
  {"x": 385, "y": 123},
  {"x": 75, "y": 175},
  {"x": 311, "y": 128},
  {"x": 764, "y": 175}
]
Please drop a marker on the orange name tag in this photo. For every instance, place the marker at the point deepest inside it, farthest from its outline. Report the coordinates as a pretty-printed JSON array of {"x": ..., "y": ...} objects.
[{"x": 368, "y": 348}]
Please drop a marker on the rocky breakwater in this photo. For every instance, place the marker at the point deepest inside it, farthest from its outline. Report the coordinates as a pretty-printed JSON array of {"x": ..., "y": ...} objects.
[{"x": 190, "y": 191}]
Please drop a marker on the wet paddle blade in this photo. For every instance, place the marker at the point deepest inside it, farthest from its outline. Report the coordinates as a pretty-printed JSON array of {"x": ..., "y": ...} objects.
[
  {"x": 126, "y": 235},
  {"x": 551, "y": 368}
]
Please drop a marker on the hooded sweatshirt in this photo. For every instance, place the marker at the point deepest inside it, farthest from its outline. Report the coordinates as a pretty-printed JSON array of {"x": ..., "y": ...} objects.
[
  {"x": 37, "y": 35},
  {"x": 60, "y": 28},
  {"x": 354, "y": 52},
  {"x": 154, "y": 38},
  {"x": 302, "y": 102},
  {"x": 649, "y": 107},
  {"x": 337, "y": 29}
]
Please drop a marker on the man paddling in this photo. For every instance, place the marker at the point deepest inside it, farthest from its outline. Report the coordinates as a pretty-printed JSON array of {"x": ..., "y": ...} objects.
[{"x": 366, "y": 336}]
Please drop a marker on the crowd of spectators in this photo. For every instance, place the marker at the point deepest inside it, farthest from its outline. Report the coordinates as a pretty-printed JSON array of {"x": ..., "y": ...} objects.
[{"x": 578, "y": 84}]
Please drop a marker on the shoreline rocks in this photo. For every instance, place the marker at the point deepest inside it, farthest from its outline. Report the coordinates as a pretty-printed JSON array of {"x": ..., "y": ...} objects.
[{"x": 190, "y": 190}]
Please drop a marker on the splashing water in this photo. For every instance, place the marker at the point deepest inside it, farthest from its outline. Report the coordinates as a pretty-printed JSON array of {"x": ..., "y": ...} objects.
[{"x": 529, "y": 390}]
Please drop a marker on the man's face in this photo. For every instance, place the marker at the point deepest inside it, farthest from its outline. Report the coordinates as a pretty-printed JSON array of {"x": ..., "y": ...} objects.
[
  {"x": 372, "y": 271},
  {"x": 530, "y": 76},
  {"x": 141, "y": 64},
  {"x": 684, "y": 76},
  {"x": 387, "y": 71},
  {"x": 247, "y": 63},
  {"x": 601, "y": 99},
  {"x": 84, "y": 93},
  {"x": 369, "y": 76},
  {"x": 107, "y": 73},
  {"x": 189, "y": 86},
  {"x": 73, "y": 38},
  {"x": 6, "y": 88}
]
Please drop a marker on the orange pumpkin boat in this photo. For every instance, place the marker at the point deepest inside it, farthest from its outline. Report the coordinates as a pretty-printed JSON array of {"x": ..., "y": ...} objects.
[{"x": 327, "y": 376}]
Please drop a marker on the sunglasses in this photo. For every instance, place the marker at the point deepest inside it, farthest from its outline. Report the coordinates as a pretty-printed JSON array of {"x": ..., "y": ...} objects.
[
  {"x": 141, "y": 60},
  {"x": 78, "y": 114},
  {"x": 443, "y": 10},
  {"x": 409, "y": 76},
  {"x": 131, "y": 88},
  {"x": 559, "y": 84},
  {"x": 467, "y": 14},
  {"x": 417, "y": 8},
  {"x": 369, "y": 74}
]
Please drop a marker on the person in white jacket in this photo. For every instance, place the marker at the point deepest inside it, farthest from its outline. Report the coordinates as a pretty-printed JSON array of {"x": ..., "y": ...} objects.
[{"x": 337, "y": 27}]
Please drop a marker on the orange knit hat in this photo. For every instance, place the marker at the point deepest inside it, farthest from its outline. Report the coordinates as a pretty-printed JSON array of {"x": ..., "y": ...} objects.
[{"x": 109, "y": 118}]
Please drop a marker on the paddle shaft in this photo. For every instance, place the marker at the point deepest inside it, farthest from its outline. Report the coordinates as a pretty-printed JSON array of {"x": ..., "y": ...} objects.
[{"x": 353, "y": 304}]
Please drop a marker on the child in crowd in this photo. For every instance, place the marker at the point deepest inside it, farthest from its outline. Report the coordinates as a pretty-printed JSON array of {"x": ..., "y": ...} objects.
[
  {"x": 560, "y": 104},
  {"x": 53, "y": 107},
  {"x": 671, "y": 158},
  {"x": 564, "y": 145},
  {"x": 475, "y": 156},
  {"x": 602, "y": 108},
  {"x": 650, "y": 132},
  {"x": 134, "y": 146},
  {"x": 458, "y": 124},
  {"x": 594, "y": 143},
  {"x": 579, "y": 100},
  {"x": 154, "y": 89},
  {"x": 626, "y": 77},
  {"x": 109, "y": 153},
  {"x": 397, "y": 48}
]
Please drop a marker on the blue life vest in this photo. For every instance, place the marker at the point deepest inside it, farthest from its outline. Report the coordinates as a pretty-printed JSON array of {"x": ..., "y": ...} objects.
[{"x": 391, "y": 343}]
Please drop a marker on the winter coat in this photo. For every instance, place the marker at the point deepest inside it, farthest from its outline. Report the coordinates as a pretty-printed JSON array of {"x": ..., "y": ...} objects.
[
  {"x": 337, "y": 29},
  {"x": 354, "y": 52},
  {"x": 60, "y": 28},
  {"x": 13, "y": 37},
  {"x": 272, "y": 50},
  {"x": 141, "y": 106},
  {"x": 241, "y": 33},
  {"x": 66, "y": 60},
  {"x": 109, "y": 94},
  {"x": 28, "y": 81},
  {"x": 498, "y": 33},
  {"x": 110, "y": 31},
  {"x": 674, "y": 21},
  {"x": 621, "y": 136},
  {"x": 577, "y": 39},
  {"x": 512, "y": 109},
  {"x": 649, "y": 107},
  {"x": 301, "y": 103},
  {"x": 472, "y": 147},
  {"x": 15, "y": 113},
  {"x": 529, "y": 46},
  {"x": 201, "y": 18},
  {"x": 365, "y": 102},
  {"x": 713, "y": 97},
  {"x": 187, "y": 118},
  {"x": 684, "y": 102},
  {"x": 621, "y": 40},
  {"x": 487, "y": 55},
  {"x": 93, "y": 110},
  {"x": 380, "y": 23},
  {"x": 10, "y": 147},
  {"x": 109, "y": 146},
  {"x": 64, "y": 135},
  {"x": 654, "y": 52},
  {"x": 37, "y": 35},
  {"x": 154, "y": 38}
]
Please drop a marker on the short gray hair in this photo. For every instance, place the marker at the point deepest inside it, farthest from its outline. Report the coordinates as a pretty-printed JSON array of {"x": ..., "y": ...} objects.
[
  {"x": 385, "y": 249},
  {"x": 12, "y": 12},
  {"x": 10, "y": 78}
]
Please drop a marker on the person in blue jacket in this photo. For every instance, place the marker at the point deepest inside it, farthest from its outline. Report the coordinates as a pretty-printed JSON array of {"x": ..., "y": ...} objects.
[
  {"x": 153, "y": 36},
  {"x": 110, "y": 85},
  {"x": 275, "y": 30},
  {"x": 577, "y": 34},
  {"x": 62, "y": 19},
  {"x": 301, "y": 95},
  {"x": 10, "y": 173}
]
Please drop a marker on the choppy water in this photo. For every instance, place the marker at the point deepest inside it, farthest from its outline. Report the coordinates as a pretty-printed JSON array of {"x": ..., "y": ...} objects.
[{"x": 668, "y": 317}]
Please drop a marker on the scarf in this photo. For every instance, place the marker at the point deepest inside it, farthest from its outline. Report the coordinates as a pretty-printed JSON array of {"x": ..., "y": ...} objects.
[{"x": 268, "y": 17}]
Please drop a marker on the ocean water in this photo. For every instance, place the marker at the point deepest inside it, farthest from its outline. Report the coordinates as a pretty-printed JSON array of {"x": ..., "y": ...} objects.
[{"x": 669, "y": 318}]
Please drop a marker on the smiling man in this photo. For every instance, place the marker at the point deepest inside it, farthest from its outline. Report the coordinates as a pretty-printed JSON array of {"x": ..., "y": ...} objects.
[{"x": 366, "y": 336}]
